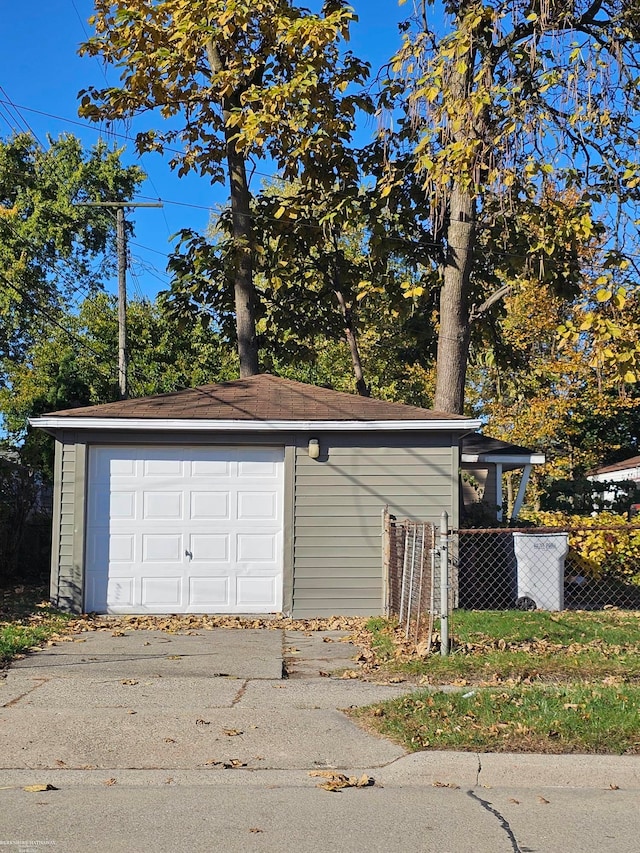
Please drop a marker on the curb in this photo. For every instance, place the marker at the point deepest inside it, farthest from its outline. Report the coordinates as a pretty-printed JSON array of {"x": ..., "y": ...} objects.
[{"x": 500, "y": 770}]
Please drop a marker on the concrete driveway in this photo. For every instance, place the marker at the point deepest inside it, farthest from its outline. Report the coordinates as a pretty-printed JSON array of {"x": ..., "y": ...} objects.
[
  {"x": 147, "y": 700},
  {"x": 196, "y": 742}
]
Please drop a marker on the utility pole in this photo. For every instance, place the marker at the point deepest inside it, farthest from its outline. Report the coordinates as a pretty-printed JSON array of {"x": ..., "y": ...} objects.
[{"x": 121, "y": 243}]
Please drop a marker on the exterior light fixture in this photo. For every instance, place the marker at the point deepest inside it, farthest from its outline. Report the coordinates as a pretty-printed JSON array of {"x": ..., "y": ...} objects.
[{"x": 314, "y": 448}]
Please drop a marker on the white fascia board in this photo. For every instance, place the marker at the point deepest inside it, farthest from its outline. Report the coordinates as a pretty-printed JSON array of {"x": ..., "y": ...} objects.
[
  {"x": 202, "y": 425},
  {"x": 618, "y": 476},
  {"x": 505, "y": 459}
]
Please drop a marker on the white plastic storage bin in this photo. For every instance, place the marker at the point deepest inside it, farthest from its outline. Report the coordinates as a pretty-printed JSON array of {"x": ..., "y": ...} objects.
[{"x": 540, "y": 561}]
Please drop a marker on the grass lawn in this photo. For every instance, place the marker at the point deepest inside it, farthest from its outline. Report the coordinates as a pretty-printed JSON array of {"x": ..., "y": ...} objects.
[
  {"x": 494, "y": 647},
  {"x": 522, "y": 682},
  {"x": 550, "y": 719},
  {"x": 26, "y": 620}
]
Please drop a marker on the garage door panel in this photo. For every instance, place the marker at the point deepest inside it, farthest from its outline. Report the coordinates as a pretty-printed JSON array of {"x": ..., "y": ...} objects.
[
  {"x": 159, "y": 593},
  {"x": 162, "y": 548},
  {"x": 165, "y": 506},
  {"x": 256, "y": 548},
  {"x": 255, "y": 592},
  {"x": 169, "y": 469},
  {"x": 258, "y": 463},
  {"x": 208, "y": 593},
  {"x": 257, "y": 505},
  {"x": 120, "y": 548},
  {"x": 121, "y": 505},
  {"x": 119, "y": 594},
  {"x": 206, "y": 548},
  {"x": 105, "y": 548},
  {"x": 184, "y": 529},
  {"x": 218, "y": 468},
  {"x": 209, "y": 505}
]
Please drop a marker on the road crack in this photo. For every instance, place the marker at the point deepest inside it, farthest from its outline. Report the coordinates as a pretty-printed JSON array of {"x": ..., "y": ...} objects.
[
  {"x": 504, "y": 823},
  {"x": 17, "y": 699},
  {"x": 240, "y": 693}
]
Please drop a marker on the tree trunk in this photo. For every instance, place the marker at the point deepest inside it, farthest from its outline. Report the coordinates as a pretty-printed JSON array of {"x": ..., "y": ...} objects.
[
  {"x": 244, "y": 290},
  {"x": 350, "y": 334},
  {"x": 454, "y": 332},
  {"x": 242, "y": 231}
]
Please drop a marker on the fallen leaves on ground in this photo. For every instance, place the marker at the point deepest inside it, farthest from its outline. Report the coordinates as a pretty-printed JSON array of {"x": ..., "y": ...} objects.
[
  {"x": 229, "y": 764},
  {"x": 118, "y": 626},
  {"x": 338, "y": 781},
  {"x": 232, "y": 732},
  {"x": 37, "y": 789},
  {"x": 445, "y": 785}
]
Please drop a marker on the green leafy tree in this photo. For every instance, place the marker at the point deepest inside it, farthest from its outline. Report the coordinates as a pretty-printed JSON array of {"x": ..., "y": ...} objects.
[
  {"x": 74, "y": 363},
  {"x": 51, "y": 247},
  {"x": 234, "y": 82},
  {"x": 494, "y": 103},
  {"x": 323, "y": 289}
]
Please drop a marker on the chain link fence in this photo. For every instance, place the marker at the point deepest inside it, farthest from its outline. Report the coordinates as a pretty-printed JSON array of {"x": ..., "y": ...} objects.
[
  {"x": 412, "y": 573},
  {"x": 586, "y": 568}
]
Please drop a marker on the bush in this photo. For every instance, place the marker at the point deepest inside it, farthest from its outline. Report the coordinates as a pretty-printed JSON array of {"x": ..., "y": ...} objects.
[{"x": 601, "y": 546}]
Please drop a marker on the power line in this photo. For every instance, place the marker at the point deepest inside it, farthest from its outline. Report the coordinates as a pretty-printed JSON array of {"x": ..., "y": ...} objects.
[
  {"x": 125, "y": 136},
  {"x": 86, "y": 35},
  {"x": 16, "y": 111},
  {"x": 66, "y": 276},
  {"x": 415, "y": 244},
  {"x": 210, "y": 208},
  {"x": 81, "y": 342},
  {"x": 40, "y": 310},
  {"x": 404, "y": 241}
]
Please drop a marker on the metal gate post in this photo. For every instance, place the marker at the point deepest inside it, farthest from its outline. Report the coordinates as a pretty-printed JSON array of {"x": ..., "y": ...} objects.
[{"x": 444, "y": 584}]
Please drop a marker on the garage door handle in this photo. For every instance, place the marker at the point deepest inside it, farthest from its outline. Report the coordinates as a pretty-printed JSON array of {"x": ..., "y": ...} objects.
[{"x": 188, "y": 554}]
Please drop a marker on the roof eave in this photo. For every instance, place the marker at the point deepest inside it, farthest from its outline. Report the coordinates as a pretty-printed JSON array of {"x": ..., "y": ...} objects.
[
  {"x": 51, "y": 423},
  {"x": 504, "y": 458}
]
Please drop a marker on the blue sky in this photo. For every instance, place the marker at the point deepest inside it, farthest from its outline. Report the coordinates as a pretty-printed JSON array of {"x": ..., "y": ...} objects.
[{"x": 41, "y": 73}]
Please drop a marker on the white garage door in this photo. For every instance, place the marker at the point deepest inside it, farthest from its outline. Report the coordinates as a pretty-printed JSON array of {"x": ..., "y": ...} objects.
[{"x": 184, "y": 530}]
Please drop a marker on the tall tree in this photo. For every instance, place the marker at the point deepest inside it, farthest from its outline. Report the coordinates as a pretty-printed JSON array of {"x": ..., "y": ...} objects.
[
  {"x": 565, "y": 395},
  {"x": 51, "y": 247},
  {"x": 242, "y": 80},
  {"x": 73, "y": 362},
  {"x": 501, "y": 99}
]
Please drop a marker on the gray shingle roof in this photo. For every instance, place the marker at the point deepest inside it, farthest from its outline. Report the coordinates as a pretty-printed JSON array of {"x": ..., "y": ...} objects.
[{"x": 259, "y": 398}]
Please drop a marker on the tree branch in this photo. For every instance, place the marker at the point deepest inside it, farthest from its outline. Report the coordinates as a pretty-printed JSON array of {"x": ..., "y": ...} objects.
[{"x": 478, "y": 310}]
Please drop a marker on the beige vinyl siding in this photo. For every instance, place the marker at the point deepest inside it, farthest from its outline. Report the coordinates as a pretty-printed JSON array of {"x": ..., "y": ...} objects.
[
  {"x": 68, "y": 523},
  {"x": 339, "y": 500}
]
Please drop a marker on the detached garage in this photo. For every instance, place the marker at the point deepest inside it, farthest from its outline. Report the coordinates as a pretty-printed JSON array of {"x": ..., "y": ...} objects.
[{"x": 260, "y": 495}]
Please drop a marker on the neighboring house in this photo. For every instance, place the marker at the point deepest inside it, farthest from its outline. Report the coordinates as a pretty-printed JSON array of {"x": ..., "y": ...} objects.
[
  {"x": 483, "y": 462},
  {"x": 253, "y": 496},
  {"x": 627, "y": 473}
]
